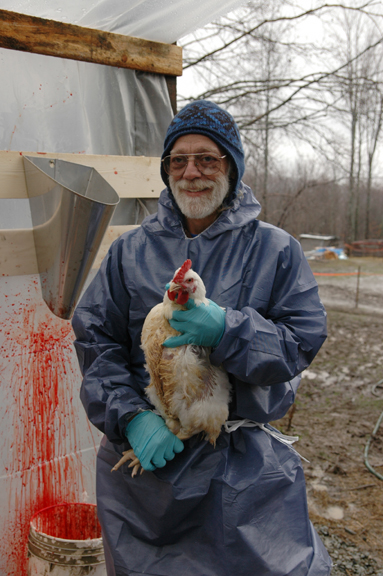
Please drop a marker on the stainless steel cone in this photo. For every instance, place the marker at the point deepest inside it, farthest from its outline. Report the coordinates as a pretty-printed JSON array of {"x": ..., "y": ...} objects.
[{"x": 71, "y": 207}]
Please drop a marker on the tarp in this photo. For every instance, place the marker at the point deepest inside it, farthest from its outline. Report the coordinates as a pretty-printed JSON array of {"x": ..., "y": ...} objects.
[{"x": 56, "y": 105}]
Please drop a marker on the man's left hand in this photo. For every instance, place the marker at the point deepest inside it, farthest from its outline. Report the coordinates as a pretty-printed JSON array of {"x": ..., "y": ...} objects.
[{"x": 199, "y": 325}]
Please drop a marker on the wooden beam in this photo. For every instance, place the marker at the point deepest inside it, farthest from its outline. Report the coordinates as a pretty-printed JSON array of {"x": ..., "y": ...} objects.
[
  {"x": 52, "y": 38},
  {"x": 130, "y": 176}
]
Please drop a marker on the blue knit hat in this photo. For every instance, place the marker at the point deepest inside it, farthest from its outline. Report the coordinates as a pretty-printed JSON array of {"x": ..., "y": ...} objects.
[{"x": 205, "y": 117}]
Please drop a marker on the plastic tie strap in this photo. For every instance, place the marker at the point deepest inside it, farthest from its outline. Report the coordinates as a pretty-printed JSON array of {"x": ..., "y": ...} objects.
[{"x": 232, "y": 425}]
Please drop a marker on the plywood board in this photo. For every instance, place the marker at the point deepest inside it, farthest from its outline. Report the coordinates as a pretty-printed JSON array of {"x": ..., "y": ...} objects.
[
  {"x": 17, "y": 250},
  {"x": 112, "y": 233},
  {"x": 130, "y": 176},
  {"x": 17, "y": 253},
  {"x": 52, "y": 38}
]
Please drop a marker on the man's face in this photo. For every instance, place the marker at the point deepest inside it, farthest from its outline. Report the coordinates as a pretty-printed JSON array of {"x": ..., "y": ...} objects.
[{"x": 199, "y": 195}]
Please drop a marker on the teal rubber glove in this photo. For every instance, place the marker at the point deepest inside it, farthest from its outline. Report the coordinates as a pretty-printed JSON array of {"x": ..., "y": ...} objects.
[
  {"x": 152, "y": 441},
  {"x": 199, "y": 325}
]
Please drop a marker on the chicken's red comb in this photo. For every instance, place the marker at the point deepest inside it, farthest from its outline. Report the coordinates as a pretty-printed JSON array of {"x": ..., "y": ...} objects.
[{"x": 178, "y": 278}]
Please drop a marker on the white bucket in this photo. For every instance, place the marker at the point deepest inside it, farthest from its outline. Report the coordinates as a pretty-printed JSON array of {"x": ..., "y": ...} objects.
[{"x": 65, "y": 540}]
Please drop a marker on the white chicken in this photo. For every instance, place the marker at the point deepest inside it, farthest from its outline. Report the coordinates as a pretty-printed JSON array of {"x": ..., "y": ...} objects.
[{"x": 190, "y": 394}]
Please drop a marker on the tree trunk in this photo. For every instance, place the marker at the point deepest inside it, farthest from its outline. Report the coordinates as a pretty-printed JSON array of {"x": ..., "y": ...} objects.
[
  {"x": 350, "y": 231},
  {"x": 371, "y": 153}
]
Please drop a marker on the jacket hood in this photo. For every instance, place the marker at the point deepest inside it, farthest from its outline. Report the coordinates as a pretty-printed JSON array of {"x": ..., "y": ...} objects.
[{"x": 244, "y": 209}]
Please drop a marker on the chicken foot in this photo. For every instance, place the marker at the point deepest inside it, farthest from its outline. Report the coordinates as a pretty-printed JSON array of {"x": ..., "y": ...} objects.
[{"x": 135, "y": 463}]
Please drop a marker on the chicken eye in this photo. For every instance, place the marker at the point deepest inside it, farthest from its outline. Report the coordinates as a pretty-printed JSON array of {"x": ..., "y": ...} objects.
[{"x": 189, "y": 280}]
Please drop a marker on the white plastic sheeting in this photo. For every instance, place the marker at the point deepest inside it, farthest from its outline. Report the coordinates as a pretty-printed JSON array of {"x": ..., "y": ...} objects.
[
  {"x": 54, "y": 105},
  {"x": 47, "y": 446},
  {"x": 161, "y": 20}
]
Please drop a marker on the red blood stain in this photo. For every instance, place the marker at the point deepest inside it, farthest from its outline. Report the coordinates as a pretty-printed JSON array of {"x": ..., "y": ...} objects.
[
  {"x": 73, "y": 521},
  {"x": 115, "y": 172},
  {"x": 44, "y": 462}
]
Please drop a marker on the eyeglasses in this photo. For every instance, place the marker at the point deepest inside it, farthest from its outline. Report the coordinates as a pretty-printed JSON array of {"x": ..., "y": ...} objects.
[{"x": 206, "y": 163}]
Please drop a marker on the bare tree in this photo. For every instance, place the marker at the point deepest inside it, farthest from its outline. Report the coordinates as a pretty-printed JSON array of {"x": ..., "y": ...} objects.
[
  {"x": 355, "y": 43},
  {"x": 373, "y": 116},
  {"x": 288, "y": 89}
]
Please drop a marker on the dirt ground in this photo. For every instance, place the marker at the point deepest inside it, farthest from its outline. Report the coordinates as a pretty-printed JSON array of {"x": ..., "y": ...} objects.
[{"x": 337, "y": 408}]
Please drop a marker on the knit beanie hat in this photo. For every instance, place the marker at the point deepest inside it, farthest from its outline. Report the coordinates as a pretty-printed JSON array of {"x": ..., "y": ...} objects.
[{"x": 205, "y": 117}]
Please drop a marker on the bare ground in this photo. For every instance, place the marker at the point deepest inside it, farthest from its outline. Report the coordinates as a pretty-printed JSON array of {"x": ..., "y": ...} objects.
[{"x": 337, "y": 408}]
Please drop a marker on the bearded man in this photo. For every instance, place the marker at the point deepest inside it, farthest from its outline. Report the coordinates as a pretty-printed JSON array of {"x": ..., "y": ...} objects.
[
  {"x": 239, "y": 508},
  {"x": 198, "y": 178}
]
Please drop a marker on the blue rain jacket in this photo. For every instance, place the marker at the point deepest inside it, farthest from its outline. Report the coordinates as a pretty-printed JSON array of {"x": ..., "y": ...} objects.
[{"x": 238, "y": 509}]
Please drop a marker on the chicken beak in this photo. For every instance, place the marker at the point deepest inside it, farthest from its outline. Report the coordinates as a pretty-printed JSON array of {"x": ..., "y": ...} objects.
[
  {"x": 174, "y": 287},
  {"x": 174, "y": 291}
]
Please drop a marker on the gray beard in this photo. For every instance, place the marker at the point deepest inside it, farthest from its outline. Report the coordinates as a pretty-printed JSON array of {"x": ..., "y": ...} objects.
[{"x": 205, "y": 205}]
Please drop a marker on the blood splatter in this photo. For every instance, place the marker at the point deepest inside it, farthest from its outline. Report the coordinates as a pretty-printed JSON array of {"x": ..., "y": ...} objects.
[{"x": 43, "y": 458}]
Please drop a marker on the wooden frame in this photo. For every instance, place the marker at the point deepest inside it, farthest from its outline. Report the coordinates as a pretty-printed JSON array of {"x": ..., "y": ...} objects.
[
  {"x": 52, "y": 38},
  {"x": 130, "y": 176}
]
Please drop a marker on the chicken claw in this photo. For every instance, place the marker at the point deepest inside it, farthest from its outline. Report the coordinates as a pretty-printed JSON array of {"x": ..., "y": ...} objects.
[{"x": 135, "y": 463}]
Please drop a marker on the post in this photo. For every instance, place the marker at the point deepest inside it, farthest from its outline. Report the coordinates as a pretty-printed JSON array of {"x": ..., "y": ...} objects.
[
  {"x": 357, "y": 288},
  {"x": 171, "y": 82}
]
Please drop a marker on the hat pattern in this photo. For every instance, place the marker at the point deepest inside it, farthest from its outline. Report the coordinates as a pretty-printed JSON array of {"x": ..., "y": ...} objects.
[{"x": 210, "y": 118}]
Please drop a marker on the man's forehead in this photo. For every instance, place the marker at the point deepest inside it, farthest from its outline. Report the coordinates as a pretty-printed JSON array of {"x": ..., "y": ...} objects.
[{"x": 195, "y": 143}]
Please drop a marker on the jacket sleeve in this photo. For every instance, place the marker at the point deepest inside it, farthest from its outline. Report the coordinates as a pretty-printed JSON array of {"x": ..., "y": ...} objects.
[
  {"x": 268, "y": 349},
  {"x": 109, "y": 391}
]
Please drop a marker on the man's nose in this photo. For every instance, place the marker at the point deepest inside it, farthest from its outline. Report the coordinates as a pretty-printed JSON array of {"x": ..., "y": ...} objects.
[{"x": 191, "y": 170}]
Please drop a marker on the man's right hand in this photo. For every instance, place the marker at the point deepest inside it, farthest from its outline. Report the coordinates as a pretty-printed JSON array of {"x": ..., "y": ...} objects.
[{"x": 152, "y": 441}]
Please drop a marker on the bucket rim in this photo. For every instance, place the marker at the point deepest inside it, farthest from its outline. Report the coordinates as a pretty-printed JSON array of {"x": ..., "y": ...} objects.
[{"x": 67, "y": 504}]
